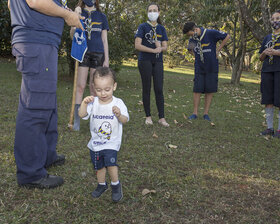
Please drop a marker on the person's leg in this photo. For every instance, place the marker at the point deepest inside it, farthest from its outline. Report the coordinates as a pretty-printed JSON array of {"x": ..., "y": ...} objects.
[
  {"x": 208, "y": 100},
  {"x": 196, "y": 102},
  {"x": 101, "y": 175},
  {"x": 113, "y": 173},
  {"x": 267, "y": 90},
  {"x": 97, "y": 159},
  {"x": 145, "y": 69},
  {"x": 36, "y": 127},
  {"x": 81, "y": 84},
  {"x": 277, "y": 100},
  {"x": 157, "y": 73},
  {"x": 211, "y": 87},
  {"x": 91, "y": 86},
  {"x": 198, "y": 89}
]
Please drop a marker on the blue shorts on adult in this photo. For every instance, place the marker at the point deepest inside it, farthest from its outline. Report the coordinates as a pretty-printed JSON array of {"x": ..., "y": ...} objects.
[
  {"x": 205, "y": 83},
  {"x": 270, "y": 88},
  {"x": 103, "y": 158}
]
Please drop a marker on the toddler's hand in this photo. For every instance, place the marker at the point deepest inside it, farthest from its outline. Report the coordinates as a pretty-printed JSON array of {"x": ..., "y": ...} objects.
[
  {"x": 88, "y": 99},
  {"x": 116, "y": 111}
]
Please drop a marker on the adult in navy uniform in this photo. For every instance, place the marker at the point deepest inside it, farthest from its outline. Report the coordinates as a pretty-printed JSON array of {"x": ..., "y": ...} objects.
[
  {"x": 96, "y": 29},
  {"x": 37, "y": 28},
  {"x": 203, "y": 44},
  {"x": 151, "y": 40},
  {"x": 270, "y": 76}
]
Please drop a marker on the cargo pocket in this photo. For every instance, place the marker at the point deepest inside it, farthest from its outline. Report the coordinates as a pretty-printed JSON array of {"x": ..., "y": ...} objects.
[
  {"x": 27, "y": 60},
  {"x": 39, "y": 94}
]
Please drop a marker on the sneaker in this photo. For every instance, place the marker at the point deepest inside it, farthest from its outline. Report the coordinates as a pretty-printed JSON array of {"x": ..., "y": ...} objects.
[
  {"x": 206, "y": 117},
  {"x": 47, "y": 182},
  {"x": 268, "y": 131},
  {"x": 117, "y": 193},
  {"x": 99, "y": 190},
  {"x": 192, "y": 117},
  {"x": 60, "y": 160},
  {"x": 277, "y": 134}
]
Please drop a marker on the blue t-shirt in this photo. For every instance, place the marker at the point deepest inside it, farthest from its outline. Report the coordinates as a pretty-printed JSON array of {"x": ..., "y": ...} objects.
[
  {"x": 208, "y": 44},
  {"x": 94, "y": 23},
  {"x": 146, "y": 33},
  {"x": 31, "y": 26},
  {"x": 275, "y": 66}
]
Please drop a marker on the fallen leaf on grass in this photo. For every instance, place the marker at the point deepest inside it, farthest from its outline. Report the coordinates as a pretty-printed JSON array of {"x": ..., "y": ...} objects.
[
  {"x": 155, "y": 135},
  {"x": 185, "y": 116},
  {"x": 230, "y": 111},
  {"x": 266, "y": 138},
  {"x": 140, "y": 103},
  {"x": 147, "y": 191},
  {"x": 212, "y": 124},
  {"x": 135, "y": 95},
  {"x": 172, "y": 146},
  {"x": 175, "y": 122}
]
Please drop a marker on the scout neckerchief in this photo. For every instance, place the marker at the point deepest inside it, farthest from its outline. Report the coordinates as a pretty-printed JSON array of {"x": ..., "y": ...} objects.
[
  {"x": 199, "y": 44},
  {"x": 155, "y": 33},
  {"x": 89, "y": 23},
  {"x": 274, "y": 39}
]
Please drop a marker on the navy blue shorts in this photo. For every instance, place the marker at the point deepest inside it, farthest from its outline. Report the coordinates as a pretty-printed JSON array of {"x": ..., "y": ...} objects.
[
  {"x": 103, "y": 158},
  {"x": 205, "y": 83},
  {"x": 270, "y": 88},
  {"x": 93, "y": 60}
]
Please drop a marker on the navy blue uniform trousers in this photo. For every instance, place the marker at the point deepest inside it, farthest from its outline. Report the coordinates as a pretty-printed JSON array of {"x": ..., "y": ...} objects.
[{"x": 36, "y": 123}]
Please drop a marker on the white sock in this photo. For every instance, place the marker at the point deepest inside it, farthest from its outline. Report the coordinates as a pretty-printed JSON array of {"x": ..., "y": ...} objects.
[
  {"x": 102, "y": 183},
  {"x": 115, "y": 183}
]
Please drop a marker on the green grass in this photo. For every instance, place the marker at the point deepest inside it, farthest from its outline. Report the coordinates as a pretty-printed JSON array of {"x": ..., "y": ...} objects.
[{"x": 221, "y": 173}]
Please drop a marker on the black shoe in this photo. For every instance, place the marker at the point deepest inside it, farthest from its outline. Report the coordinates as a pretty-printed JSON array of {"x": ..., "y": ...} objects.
[
  {"x": 117, "y": 193},
  {"x": 268, "y": 131},
  {"x": 99, "y": 190},
  {"x": 60, "y": 160},
  {"x": 47, "y": 182}
]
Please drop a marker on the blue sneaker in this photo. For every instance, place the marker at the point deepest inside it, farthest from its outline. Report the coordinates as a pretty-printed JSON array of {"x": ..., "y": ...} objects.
[
  {"x": 192, "y": 117},
  {"x": 206, "y": 117}
]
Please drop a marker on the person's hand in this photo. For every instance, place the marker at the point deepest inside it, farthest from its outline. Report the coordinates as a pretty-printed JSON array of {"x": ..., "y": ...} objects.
[
  {"x": 116, "y": 111},
  {"x": 268, "y": 51},
  {"x": 78, "y": 10},
  {"x": 73, "y": 19},
  {"x": 157, "y": 50},
  {"x": 88, "y": 99},
  {"x": 106, "y": 63}
]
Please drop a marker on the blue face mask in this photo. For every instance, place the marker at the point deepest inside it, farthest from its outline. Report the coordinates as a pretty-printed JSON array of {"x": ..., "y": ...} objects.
[
  {"x": 89, "y": 3},
  {"x": 275, "y": 25}
]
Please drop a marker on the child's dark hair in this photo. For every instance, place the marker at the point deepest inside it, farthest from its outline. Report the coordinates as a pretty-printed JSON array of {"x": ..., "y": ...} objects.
[
  {"x": 104, "y": 71},
  {"x": 153, "y": 3},
  {"x": 189, "y": 26}
]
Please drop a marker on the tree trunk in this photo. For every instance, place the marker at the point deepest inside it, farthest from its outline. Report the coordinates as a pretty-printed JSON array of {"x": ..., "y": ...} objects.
[
  {"x": 266, "y": 16},
  {"x": 238, "y": 62},
  {"x": 254, "y": 27}
]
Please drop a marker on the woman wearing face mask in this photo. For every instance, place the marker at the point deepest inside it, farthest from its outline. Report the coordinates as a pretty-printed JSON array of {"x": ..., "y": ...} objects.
[
  {"x": 96, "y": 27},
  {"x": 270, "y": 77},
  {"x": 151, "y": 40}
]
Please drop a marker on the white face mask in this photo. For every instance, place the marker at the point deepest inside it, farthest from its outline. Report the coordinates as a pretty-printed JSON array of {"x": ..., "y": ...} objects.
[{"x": 153, "y": 16}]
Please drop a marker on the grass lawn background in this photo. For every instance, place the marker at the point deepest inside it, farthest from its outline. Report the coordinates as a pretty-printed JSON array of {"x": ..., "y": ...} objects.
[{"x": 222, "y": 172}]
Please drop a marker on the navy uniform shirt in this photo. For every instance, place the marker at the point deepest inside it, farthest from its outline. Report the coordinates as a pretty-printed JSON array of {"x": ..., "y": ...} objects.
[
  {"x": 31, "y": 26},
  {"x": 94, "y": 23},
  {"x": 146, "y": 33},
  {"x": 209, "y": 44},
  {"x": 275, "y": 66}
]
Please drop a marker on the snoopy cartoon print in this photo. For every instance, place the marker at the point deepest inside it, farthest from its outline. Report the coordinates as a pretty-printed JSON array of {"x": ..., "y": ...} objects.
[{"x": 104, "y": 131}]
